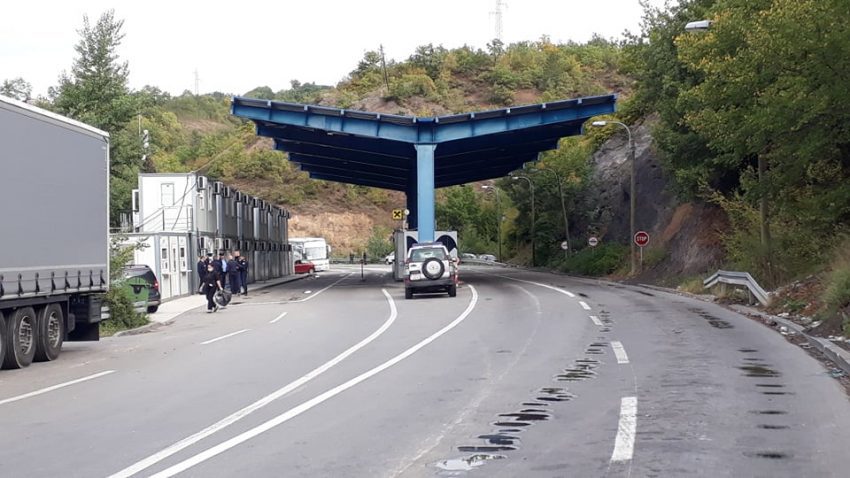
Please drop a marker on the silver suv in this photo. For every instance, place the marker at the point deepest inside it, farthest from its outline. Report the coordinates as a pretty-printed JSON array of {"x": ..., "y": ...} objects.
[{"x": 429, "y": 268}]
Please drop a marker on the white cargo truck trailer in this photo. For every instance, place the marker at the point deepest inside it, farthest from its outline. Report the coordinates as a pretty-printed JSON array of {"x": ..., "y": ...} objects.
[{"x": 54, "y": 232}]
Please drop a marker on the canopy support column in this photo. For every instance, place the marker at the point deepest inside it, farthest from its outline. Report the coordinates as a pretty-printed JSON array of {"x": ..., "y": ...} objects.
[{"x": 425, "y": 191}]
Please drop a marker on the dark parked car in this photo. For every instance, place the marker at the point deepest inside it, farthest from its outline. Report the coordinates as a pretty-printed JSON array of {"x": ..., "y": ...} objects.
[{"x": 143, "y": 286}]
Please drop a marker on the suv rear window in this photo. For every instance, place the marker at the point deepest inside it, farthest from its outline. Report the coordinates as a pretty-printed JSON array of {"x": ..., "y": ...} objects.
[
  {"x": 143, "y": 272},
  {"x": 419, "y": 255}
]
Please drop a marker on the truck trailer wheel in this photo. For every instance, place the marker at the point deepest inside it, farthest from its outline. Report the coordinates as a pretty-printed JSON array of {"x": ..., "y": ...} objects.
[
  {"x": 22, "y": 332},
  {"x": 51, "y": 333}
]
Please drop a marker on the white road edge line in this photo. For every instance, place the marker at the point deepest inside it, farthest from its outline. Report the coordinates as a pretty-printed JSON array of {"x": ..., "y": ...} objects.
[
  {"x": 620, "y": 352},
  {"x": 596, "y": 320},
  {"x": 238, "y": 415},
  {"x": 584, "y": 305},
  {"x": 225, "y": 336},
  {"x": 294, "y": 412},
  {"x": 55, "y": 387},
  {"x": 556, "y": 289},
  {"x": 278, "y": 317},
  {"x": 624, "y": 444}
]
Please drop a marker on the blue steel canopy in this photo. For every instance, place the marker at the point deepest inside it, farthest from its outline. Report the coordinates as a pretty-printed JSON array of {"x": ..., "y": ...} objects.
[{"x": 416, "y": 154}]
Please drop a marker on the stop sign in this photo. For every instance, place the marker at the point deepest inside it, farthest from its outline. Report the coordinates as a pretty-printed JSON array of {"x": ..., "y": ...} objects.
[{"x": 641, "y": 238}]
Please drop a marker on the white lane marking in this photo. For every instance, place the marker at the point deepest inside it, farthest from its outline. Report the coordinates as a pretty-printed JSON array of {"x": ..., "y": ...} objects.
[
  {"x": 584, "y": 305},
  {"x": 55, "y": 387},
  {"x": 238, "y": 415},
  {"x": 308, "y": 291},
  {"x": 620, "y": 352},
  {"x": 624, "y": 444},
  {"x": 294, "y": 412},
  {"x": 556, "y": 289},
  {"x": 225, "y": 336},
  {"x": 596, "y": 320},
  {"x": 305, "y": 299},
  {"x": 278, "y": 317}
]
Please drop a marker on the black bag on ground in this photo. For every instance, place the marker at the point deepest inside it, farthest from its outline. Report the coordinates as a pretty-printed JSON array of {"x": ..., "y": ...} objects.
[{"x": 222, "y": 297}]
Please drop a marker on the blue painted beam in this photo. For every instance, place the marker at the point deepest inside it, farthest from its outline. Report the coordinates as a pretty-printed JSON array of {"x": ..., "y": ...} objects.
[
  {"x": 341, "y": 179},
  {"x": 342, "y": 172},
  {"x": 423, "y": 130},
  {"x": 349, "y": 166},
  {"x": 351, "y": 143},
  {"x": 360, "y": 157}
]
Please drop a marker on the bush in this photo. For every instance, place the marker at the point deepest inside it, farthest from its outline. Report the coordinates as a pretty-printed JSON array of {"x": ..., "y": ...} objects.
[
  {"x": 837, "y": 294},
  {"x": 379, "y": 244},
  {"x": 119, "y": 298},
  {"x": 653, "y": 256},
  {"x": 596, "y": 261},
  {"x": 122, "y": 314}
]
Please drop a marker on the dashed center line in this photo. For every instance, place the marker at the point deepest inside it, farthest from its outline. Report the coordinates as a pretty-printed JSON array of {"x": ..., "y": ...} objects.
[
  {"x": 225, "y": 336},
  {"x": 624, "y": 444},
  {"x": 584, "y": 305},
  {"x": 596, "y": 320},
  {"x": 620, "y": 352},
  {"x": 278, "y": 317}
]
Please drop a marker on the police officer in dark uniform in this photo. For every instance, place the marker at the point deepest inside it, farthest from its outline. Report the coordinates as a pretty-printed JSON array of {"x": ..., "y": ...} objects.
[
  {"x": 243, "y": 272},
  {"x": 211, "y": 284},
  {"x": 233, "y": 275}
]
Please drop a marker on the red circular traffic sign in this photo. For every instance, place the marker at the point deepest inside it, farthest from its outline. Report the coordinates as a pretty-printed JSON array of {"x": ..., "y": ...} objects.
[{"x": 641, "y": 238}]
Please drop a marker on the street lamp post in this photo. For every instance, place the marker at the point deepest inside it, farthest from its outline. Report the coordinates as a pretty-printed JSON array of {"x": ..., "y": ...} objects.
[
  {"x": 764, "y": 220},
  {"x": 632, "y": 189},
  {"x": 533, "y": 248},
  {"x": 498, "y": 218},
  {"x": 563, "y": 209}
]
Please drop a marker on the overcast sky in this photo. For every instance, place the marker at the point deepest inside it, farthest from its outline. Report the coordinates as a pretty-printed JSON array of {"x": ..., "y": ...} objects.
[{"x": 254, "y": 43}]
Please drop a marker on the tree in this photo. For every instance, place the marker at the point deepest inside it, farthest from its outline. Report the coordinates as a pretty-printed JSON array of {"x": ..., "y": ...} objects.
[
  {"x": 96, "y": 90},
  {"x": 652, "y": 59},
  {"x": 16, "y": 88},
  {"x": 96, "y": 93}
]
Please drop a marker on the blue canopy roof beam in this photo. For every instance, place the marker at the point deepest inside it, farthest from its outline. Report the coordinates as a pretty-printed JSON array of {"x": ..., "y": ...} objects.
[
  {"x": 359, "y": 182},
  {"x": 414, "y": 154}
]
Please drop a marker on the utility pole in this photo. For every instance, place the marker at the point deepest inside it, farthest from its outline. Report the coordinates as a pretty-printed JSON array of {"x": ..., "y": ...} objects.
[
  {"x": 632, "y": 189},
  {"x": 499, "y": 217},
  {"x": 563, "y": 208},
  {"x": 533, "y": 220},
  {"x": 497, "y": 15},
  {"x": 384, "y": 68},
  {"x": 197, "y": 82}
]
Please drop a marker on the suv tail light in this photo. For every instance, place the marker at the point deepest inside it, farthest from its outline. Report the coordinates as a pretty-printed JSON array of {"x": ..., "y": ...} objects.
[{"x": 156, "y": 285}]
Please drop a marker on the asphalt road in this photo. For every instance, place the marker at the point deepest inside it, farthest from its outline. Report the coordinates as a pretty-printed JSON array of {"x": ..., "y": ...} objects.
[{"x": 521, "y": 375}]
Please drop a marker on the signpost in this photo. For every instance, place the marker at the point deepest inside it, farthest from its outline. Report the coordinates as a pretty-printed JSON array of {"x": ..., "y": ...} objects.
[
  {"x": 641, "y": 240},
  {"x": 593, "y": 241}
]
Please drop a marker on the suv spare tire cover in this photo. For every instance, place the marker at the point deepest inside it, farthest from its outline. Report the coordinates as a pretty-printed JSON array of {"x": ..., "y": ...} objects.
[{"x": 433, "y": 268}]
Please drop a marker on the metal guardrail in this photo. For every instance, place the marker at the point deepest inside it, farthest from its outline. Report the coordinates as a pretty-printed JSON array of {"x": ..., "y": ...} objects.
[{"x": 739, "y": 279}]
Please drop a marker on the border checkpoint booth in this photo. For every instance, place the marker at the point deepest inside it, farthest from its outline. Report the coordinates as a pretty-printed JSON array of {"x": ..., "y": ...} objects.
[{"x": 416, "y": 155}]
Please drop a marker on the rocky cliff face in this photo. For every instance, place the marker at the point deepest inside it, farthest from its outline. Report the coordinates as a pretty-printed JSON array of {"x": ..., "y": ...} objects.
[{"x": 686, "y": 236}]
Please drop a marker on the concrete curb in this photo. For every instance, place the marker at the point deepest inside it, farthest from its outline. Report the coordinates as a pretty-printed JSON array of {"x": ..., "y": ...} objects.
[
  {"x": 143, "y": 329},
  {"x": 157, "y": 324}
]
